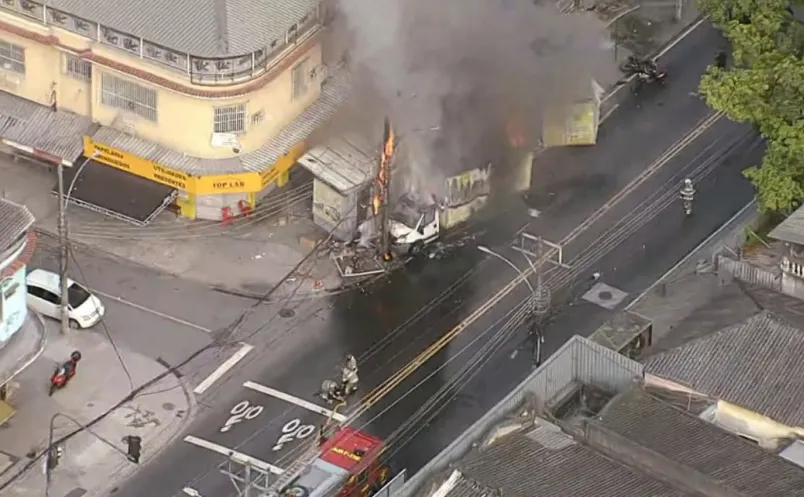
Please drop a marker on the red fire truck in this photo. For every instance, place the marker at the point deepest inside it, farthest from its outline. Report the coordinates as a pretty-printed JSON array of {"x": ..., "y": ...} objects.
[{"x": 348, "y": 466}]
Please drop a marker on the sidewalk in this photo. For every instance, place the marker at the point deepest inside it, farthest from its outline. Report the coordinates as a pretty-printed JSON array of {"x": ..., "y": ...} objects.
[
  {"x": 251, "y": 255},
  {"x": 88, "y": 466},
  {"x": 248, "y": 256}
]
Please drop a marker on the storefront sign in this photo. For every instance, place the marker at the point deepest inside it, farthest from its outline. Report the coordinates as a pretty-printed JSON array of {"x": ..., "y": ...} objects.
[{"x": 249, "y": 182}]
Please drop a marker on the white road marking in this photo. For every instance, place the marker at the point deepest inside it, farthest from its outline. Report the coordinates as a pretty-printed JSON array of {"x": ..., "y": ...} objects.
[
  {"x": 295, "y": 400},
  {"x": 680, "y": 37},
  {"x": 223, "y": 368},
  {"x": 237, "y": 456},
  {"x": 150, "y": 311}
]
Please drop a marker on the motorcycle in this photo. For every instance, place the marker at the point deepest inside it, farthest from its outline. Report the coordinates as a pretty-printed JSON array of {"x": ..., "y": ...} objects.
[
  {"x": 645, "y": 71},
  {"x": 64, "y": 372},
  {"x": 687, "y": 207}
]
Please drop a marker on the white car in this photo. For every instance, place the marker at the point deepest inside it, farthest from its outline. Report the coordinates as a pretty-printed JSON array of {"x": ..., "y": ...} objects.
[{"x": 84, "y": 309}]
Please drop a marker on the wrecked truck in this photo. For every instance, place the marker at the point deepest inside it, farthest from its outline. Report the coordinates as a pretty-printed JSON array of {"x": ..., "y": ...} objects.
[{"x": 573, "y": 124}]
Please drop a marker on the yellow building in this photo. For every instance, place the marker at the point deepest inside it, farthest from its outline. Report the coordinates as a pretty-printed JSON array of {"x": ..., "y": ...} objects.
[{"x": 202, "y": 105}]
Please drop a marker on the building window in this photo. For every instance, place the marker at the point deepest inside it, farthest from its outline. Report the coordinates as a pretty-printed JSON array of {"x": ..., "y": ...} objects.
[
  {"x": 78, "y": 68},
  {"x": 12, "y": 57},
  {"x": 131, "y": 97},
  {"x": 230, "y": 119},
  {"x": 300, "y": 80},
  {"x": 258, "y": 117}
]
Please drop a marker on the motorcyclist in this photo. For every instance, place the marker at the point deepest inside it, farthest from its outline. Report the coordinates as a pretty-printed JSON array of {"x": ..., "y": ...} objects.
[
  {"x": 69, "y": 367},
  {"x": 349, "y": 378}
]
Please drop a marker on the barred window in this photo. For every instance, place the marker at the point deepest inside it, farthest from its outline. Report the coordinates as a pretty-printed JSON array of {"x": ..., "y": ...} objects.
[
  {"x": 299, "y": 79},
  {"x": 78, "y": 68},
  {"x": 12, "y": 57},
  {"x": 230, "y": 119},
  {"x": 128, "y": 96}
]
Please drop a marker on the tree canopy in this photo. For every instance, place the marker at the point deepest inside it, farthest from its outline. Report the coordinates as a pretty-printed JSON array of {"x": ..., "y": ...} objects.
[{"x": 764, "y": 86}]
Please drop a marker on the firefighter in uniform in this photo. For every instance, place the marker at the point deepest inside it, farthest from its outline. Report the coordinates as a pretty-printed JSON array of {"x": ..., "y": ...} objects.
[
  {"x": 349, "y": 378},
  {"x": 687, "y": 195}
]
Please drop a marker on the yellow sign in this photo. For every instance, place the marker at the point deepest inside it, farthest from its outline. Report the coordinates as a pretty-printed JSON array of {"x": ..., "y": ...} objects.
[{"x": 249, "y": 182}]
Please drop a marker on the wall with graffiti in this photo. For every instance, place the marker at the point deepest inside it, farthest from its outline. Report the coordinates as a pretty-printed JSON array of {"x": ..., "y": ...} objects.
[{"x": 467, "y": 187}]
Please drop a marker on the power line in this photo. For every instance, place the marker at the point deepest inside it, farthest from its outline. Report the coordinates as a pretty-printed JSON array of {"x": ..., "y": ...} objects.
[{"x": 229, "y": 330}]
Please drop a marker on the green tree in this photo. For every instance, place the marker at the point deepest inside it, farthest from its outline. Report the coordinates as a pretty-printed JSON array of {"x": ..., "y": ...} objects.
[{"x": 765, "y": 87}]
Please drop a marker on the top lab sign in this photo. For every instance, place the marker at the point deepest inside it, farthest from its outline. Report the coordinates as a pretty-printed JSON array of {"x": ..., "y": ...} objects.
[{"x": 247, "y": 182}]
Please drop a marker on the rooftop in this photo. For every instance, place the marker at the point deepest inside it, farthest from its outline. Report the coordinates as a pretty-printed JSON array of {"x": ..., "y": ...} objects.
[
  {"x": 15, "y": 220},
  {"x": 700, "y": 447},
  {"x": 791, "y": 230},
  {"x": 542, "y": 461},
  {"x": 207, "y": 28},
  {"x": 755, "y": 364}
]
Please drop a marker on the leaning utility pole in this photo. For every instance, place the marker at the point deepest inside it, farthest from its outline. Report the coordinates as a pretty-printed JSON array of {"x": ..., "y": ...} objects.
[{"x": 63, "y": 252}]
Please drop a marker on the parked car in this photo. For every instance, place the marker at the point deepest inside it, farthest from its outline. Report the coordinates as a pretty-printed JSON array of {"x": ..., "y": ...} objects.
[{"x": 44, "y": 295}]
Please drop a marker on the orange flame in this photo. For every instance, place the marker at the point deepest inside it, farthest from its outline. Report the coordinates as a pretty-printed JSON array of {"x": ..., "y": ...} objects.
[
  {"x": 515, "y": 130},
  {"x": 385, "y": 162}
]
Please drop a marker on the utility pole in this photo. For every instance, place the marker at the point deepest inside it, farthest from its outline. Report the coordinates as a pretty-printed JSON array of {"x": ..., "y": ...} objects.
[
  {"x": 542, "y": 294},
  {"x": 63, "y": 252},
  {"x": 383, "y": 184}
]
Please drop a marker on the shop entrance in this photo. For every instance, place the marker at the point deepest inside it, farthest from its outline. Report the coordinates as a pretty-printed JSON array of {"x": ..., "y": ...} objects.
[{"x": 116, "y": 193}]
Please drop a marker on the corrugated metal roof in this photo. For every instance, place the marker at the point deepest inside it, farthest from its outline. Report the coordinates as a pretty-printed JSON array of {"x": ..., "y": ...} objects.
[
  {"x": 791, "y": 229},
  {"x": 15, "y": 220},
  {"x": 58, "y": 133},
  {"x": 334, "y": 93},
  {"x": 343, "y": 162},
  {"x": 206, "y": 28},
  {"x": 756, "y": 364},
  {"x": 726, "y": 458},
  {"x": 521, "y": 466}
]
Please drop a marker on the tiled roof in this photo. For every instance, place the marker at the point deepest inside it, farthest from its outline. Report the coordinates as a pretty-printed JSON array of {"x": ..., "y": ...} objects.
[
  {"x": 756, "y": 364},
  {"x": 206, "y": 28},
  {"x": 15, "y": 220},
  {"x": 30, "y": 124},
  {"x": 545, "y": 462},
  {"x": 737, "y": 464},
  {"x": 334, "y": 93}
]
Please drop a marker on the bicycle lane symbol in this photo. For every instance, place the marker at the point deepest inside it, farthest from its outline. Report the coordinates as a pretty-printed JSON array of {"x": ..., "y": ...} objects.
[
  {"x": 293, "y": 430},
  {"x": 241, "y": 411}
]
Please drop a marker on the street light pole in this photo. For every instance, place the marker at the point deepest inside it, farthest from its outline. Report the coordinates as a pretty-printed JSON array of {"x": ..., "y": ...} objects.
[
  {"x": 64, "y": 246},
  {"x": 490, "y": 252},
  {"x": 50, "y": 447}
]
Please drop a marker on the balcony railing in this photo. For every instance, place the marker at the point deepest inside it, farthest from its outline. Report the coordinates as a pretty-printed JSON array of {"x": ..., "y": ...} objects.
[{"x": 201, "y": 70}]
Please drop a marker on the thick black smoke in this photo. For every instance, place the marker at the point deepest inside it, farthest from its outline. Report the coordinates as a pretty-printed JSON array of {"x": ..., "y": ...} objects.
[{"x": 450, "y": 72}]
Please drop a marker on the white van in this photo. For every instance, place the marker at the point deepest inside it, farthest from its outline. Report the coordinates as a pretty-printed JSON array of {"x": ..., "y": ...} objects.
[{"x": 44, "y": 291}]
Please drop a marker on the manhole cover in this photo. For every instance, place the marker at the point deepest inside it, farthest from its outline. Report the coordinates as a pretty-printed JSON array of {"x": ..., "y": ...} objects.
[
  {"x": 286, "y": 313},
  {"x": 605, "y": 295}
]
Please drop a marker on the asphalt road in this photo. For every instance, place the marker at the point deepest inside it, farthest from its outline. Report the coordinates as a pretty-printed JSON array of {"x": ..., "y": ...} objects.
[{"x": 386, "y": 326}]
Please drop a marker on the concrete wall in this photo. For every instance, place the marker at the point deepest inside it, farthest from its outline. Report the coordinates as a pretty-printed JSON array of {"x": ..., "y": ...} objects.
[
  {"x": 13, "y": 295},
  {"x": 184, "y": 120}
]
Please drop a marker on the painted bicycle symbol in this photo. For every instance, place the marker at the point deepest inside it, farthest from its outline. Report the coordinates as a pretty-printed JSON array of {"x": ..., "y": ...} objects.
[
  {"x": 293, "y": 430},
  {"x": 242, "y": 410}
]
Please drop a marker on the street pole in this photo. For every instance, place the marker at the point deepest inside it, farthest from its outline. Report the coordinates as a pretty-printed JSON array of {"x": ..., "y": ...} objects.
[
  {"x": 63, "y": 253},
  {"x": 385, "y": 183},
  {"x": 50, "y": 447},
  {"x": 64, "y": 242},
  {"x": 492, "y": 253}
]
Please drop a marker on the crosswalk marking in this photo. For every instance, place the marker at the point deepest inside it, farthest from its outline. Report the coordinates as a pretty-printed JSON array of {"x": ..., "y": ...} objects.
[
  {"x": 237, "y": 456},
  {"x": 295, "y": 400}
]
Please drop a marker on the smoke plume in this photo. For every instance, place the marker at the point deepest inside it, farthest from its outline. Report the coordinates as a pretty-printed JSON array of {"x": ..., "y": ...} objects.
[{"x": 450, "y": 73}]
